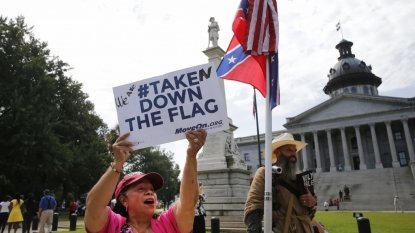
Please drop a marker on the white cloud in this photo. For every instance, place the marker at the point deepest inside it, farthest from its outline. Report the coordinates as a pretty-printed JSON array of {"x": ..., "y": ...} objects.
[{"x": 110, "y": 43}]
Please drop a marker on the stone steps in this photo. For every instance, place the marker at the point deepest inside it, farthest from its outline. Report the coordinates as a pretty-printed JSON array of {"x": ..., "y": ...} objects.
[{"x": 372, "y": 189}]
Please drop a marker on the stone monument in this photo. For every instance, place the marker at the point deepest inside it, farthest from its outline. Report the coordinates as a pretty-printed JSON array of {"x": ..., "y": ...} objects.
[
  {"x": 346, "y": 193},
  {"x": 220, "y": 168},
  {"x": 213, "y": 30}
]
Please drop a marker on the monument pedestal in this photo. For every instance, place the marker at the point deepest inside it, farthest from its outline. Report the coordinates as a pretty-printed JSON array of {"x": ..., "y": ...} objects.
[
  {"x": 346, "y": 198},
  {"x": 224, "y": 176}
]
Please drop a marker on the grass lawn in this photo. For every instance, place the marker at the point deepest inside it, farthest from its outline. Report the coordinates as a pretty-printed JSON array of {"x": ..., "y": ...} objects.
[
  {"x": 64, "y": 216},
  {"x": 380, "y": 222},
  {"x": 344, "y": 222}
]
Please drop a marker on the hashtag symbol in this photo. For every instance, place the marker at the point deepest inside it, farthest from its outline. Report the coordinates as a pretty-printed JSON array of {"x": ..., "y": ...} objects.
[{"x": 143, "y": 91}]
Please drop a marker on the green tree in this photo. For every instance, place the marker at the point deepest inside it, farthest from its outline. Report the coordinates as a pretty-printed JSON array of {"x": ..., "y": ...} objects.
[{"x": 50, "y": 136}]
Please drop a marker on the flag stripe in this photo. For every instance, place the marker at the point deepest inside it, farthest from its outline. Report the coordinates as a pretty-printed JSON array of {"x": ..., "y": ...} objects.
[{"x": 261, "y": 34}]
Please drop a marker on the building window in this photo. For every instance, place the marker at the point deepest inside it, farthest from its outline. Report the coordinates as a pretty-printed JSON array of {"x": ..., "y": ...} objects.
[
  {"x": 353, "y": 141},
  {"x": 365, "y": 90},
  {"x": 249, "y": 167},
  {"x": 336, "y": 93},
  {"x": 398, "y": 135},
  {"x": 362, "y": 64},
  {"x": 346, "y": 90},
  {"x": 346, "y": 66},
  {"x": 402, "y": 158},
  {"x": 246, "y": 156},
  {"x": 354, "y": 90}
]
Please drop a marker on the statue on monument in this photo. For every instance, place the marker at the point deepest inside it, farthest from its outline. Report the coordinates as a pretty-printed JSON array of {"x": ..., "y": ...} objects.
[
  {"x": 346, "y": 190},
  {"x": 213, "y": 32}
]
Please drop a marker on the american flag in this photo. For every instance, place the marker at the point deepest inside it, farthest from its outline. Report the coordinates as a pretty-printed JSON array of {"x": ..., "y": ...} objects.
[
  {"x": 262, "y": 28},
  {"x": 250, "y": 68}
]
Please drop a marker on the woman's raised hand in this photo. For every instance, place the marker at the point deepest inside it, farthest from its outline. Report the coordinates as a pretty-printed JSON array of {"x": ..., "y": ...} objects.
[
  {"x": 197, "y": 139},
  {"x": 121, "y": 149}
]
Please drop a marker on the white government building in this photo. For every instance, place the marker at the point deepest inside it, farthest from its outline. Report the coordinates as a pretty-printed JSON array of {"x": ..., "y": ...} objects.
[{"x": 356, "y": 127}]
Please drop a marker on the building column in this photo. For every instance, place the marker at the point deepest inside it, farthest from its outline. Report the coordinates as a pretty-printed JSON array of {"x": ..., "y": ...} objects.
[
  {"x": 317, "y": 149},
  {"x": 331, "y": 153},
  {"x": 375, "y": 146},
  {"x": 360, "y": 148},
  {"x": 395, "y": 162},
  {"x": 408, "y": 139},
  {"x": 304, "y": 153},
  {"x": 347, "y": 166}
]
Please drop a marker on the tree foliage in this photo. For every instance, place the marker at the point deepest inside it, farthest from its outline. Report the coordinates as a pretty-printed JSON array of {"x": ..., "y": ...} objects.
[{"x": 50, "y": 135}]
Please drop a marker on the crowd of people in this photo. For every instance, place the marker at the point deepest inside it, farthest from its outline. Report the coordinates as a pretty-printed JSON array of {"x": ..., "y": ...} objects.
[{"x": 17, "y": 212}]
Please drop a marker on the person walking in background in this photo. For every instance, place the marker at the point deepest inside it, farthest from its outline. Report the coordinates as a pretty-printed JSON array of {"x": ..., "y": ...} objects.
[
  {"x": 340, "y": 167},
  {"x": 23, "y": 209},
  {"x": 45, "y": 213},
  {"x": 63, "y": 207},
  {"x": 199, "y": 225},
  {"x": 340, "y": 195},
  {"x": 72, "y": 207},
  {"x": 326, "y": 205},
  {"x": 4, "y": 212},
  {"x": 31, "y": 212},
  {"x": 396, "y": 204},
  {"x": 337, "y": 203},
  {"x": 15, "y": 216}
]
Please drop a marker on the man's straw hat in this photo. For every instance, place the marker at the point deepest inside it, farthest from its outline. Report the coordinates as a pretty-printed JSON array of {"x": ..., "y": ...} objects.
[{"x": 285, "y": 139}]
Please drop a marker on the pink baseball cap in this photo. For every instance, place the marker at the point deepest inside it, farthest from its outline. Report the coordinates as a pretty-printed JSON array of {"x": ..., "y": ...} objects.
[{"x": 155, "y": 179}]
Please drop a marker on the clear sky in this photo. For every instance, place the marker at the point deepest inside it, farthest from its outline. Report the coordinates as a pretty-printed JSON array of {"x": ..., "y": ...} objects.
[{"x": 110, "y": 43}]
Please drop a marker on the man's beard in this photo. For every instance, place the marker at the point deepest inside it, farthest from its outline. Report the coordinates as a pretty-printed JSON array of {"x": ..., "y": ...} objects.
[{"x": 289, "y": 169}]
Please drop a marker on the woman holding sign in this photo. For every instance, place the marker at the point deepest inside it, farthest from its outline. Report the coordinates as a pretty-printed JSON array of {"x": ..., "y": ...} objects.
[{"x": 136, "y": 195}]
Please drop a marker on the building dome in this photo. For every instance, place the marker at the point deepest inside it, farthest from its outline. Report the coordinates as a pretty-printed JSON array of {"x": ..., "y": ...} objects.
[{"x": 350, "y": 75}]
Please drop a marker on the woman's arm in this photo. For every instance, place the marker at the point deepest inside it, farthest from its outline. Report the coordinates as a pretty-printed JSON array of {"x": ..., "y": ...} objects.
[
  {"x": 184, "y": 210},
  {"x": 96, "y": 214}
]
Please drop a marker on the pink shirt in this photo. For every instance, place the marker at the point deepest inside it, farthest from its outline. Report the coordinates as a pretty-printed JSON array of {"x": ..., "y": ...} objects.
[{"x": 165, "y": 223}]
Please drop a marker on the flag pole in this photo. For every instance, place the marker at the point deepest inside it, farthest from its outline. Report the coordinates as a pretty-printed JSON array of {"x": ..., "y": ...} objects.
[
  {"x": 268, "y": 152},
  {"x": 257, "y": 130},
  {"x": 341, "y": 29}
]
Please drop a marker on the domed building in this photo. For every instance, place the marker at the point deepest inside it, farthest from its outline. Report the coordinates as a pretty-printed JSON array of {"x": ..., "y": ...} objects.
[
  {"x": 350, "y": 75},
  {"x": 356, "y": 127},
  {"x": 370, "y": 135}
]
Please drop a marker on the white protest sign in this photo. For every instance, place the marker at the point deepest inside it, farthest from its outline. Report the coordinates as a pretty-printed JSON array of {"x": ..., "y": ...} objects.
[{"x": 161, "y": 109}]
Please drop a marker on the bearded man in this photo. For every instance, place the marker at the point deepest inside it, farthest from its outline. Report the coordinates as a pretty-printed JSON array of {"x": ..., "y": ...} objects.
[{"x": 293, "y": 211}]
